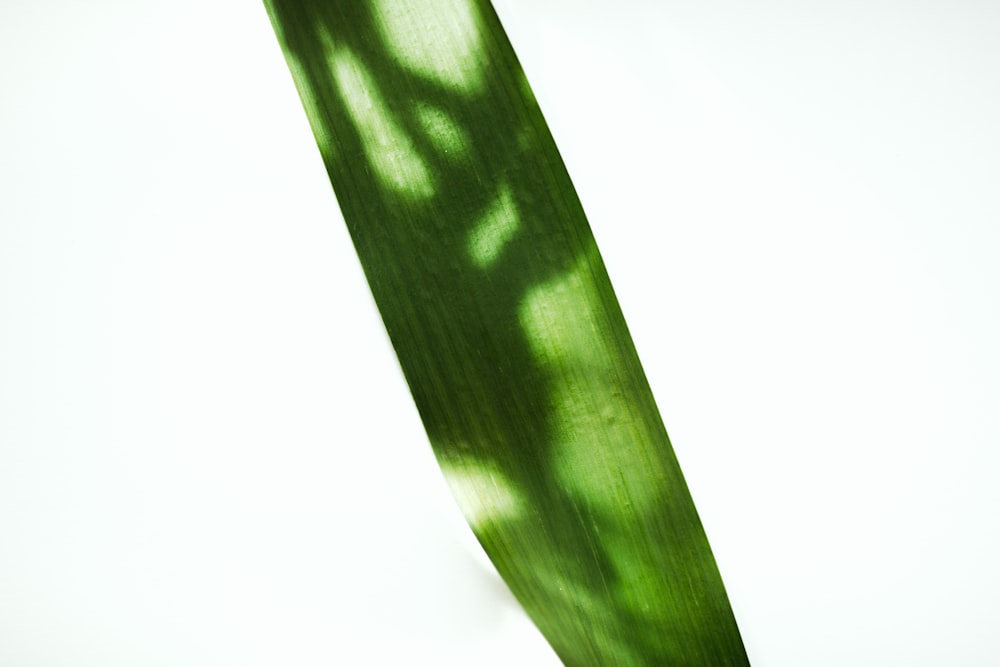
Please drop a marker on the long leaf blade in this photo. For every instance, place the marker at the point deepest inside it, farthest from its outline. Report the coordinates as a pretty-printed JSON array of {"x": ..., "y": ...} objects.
[{"x": 496, "y": 300}]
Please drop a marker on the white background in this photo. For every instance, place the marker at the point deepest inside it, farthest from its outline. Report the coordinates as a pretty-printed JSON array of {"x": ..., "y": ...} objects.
[{"x": 208, "y": 456}]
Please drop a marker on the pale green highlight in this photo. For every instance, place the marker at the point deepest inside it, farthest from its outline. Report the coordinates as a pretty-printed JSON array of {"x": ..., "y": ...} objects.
[
  {"x": 388, "y": 148},
  {"x": 438, "y": 39},
  {"x": 483, "y": 491},
  {"x": 495, "y": 229},
  {"x": 445, "y": 134},
  {"x": 561, "y": 321},
  {"x": 603, "y": 451}
]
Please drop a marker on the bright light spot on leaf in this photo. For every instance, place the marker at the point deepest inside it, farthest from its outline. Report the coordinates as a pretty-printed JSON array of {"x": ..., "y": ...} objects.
[
  {"x": 561, "y": 322},
  {"x": 439, "y": 39},
  {"x": 495, "y": 229},
  {"x": 388, "y": 148},
  {"x": 603, "y": 444},
  {"x": 483, "y": 491},
  {"x": 446, "y": 135},
  {"x": 602, "y": 448}
]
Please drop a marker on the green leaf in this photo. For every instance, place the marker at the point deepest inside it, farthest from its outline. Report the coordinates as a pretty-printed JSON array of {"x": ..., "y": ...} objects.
[{"x": 507, "y": 330}]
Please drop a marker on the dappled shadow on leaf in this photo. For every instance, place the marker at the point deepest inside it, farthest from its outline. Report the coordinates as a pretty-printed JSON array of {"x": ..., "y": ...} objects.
[{"x": 499, "y": 307}]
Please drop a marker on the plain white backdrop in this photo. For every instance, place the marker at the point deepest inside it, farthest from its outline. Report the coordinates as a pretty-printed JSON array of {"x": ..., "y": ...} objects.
[{"x": 207, "y": 453}]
